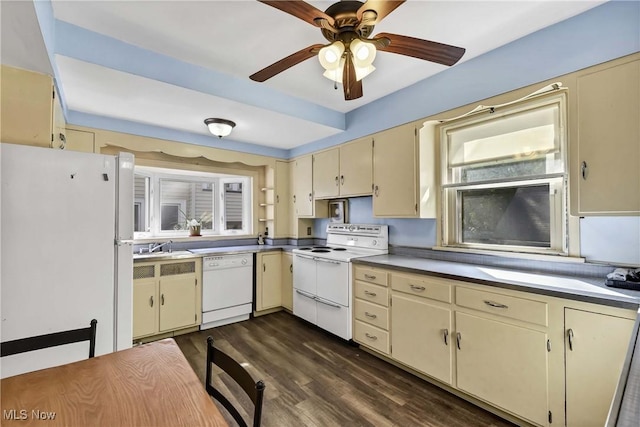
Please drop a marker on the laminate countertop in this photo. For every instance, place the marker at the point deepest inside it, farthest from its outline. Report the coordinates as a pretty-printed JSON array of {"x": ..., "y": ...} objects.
[
  {"x": 569, "y": 287},
  {"x": 201, "y": 252}
]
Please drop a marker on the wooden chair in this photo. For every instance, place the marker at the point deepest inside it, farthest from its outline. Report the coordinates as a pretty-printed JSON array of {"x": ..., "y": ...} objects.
[
  {"x": 255, "y": 390},
  {"x": 23, "y": 345}
]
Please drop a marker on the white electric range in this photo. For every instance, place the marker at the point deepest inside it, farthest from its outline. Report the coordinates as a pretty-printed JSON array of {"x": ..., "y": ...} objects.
[{"x": 322, "y": 274}]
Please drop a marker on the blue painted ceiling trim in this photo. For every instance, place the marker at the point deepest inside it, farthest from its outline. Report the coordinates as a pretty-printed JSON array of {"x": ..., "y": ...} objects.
[
  {"x": 606, "y": 32},
  {"x": 135, "y": 128},
  {"x": 85, "y": 45}
]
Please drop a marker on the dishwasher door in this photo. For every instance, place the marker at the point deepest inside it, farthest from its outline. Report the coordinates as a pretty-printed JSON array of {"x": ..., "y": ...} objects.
[{"x": 227, "y": 289}]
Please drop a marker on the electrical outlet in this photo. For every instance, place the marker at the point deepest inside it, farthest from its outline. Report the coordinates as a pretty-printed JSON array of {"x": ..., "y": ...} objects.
[{"x": 308, "y": 231}]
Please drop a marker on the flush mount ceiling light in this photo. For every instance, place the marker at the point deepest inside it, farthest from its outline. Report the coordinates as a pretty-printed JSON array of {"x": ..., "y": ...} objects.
[
  {"x": 348, "y": 58},
  {"x": 219, "y": 127}
]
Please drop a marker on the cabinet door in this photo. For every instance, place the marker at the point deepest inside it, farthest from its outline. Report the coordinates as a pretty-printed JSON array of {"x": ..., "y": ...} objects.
[
  {"x": 421, "y": 336},
  {"x": 503, "y": 364},
  {"x": 326, "y": 174},
  {"x": 395, "y": 173},
  {"x": 608, "y": 103},
  {"x": 281, "y": 202},
  {"x": 78, "y": 140},
  {"x": 177, "y": 302},
  {"x": 145, "y": 307},
  {"x": 303, "y": 182},
  {"x": 287, "y": 280},
  {"x": 26, "y": 104},
  {"x": 269, "y": 286},
  {"x": 595, "y": 348},
  {"x": 356, "y": 168}
]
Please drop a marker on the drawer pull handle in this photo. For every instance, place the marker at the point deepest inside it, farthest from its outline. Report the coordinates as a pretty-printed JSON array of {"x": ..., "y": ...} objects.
[
  {"x": 371, "y": 337},
  {"x": 369, "y": 277},
  {"x": 373, "y": 316},
  {"x": 570, "y": 335},
  {"x": 417, "y": 288},
  {"x": 495, "y": 304},
  {"x": 369, "y": 293},
  {"x": 445, "y": 336},
  {"x": 458, "y": 339}
]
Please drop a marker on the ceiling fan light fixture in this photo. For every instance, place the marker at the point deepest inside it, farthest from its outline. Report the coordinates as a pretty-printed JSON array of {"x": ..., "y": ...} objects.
[
  {"x": 219, "y": 127},
  {"x": 363, "y": 53},
  {"x": 362, "y": 72},
  {"x": 330, "y": 56}
]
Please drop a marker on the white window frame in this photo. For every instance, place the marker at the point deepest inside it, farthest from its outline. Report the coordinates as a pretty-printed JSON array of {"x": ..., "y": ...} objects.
[
  {"x": 157, "y": 174},
  {"x": 452, "y": 186}
]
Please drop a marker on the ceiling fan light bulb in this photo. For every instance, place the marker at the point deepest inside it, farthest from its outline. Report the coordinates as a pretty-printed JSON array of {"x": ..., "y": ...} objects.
[
  {"x": 363, "y": 53},
  {"x": 329, "y": 56}
]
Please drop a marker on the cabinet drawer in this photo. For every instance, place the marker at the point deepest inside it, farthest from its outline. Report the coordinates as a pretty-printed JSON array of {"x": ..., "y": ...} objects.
[
  {"x": 424, "y": 286},
  {"x": 503, "y": 305},
  {"x": 373, "y": 314},
  {"x": 371, "y": 275},
  {"x": 372, "y": 337},
  {"x": 372, "y": 293}
]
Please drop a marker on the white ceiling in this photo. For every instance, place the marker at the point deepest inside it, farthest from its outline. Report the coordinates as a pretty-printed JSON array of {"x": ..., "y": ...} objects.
[{"x": 238, "y": 38}]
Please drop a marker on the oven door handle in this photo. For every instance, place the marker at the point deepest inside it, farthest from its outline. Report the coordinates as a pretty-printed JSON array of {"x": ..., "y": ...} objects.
[
  {"x": 327, "y": 261},
  {"x": 325, "y": 302},
  {"x": 305, "y": 294},
  {"x": 305, "y": 257}
]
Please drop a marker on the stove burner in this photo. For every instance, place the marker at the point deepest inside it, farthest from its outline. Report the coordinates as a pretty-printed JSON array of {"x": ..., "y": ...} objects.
[
  {"x": 321, "y": 250},
  {"x": 339, "y": 249},
  {"x": 321, "y": 247},
  {"x": 305, "y": 249}
]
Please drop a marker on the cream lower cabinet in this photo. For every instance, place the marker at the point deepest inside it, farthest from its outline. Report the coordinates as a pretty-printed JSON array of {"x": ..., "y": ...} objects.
[
  {"x": 268, "y": 280},
  {"x": 166, "y": 297},
  {"x": 371, "y": 309},
  {"x": 287, "y": 280},
  {"x": 503, "y": 364},
  {"x": 595, "y": 348}
]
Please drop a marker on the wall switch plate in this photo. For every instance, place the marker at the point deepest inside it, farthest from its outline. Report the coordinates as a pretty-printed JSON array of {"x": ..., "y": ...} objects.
[{"x": 308, "y": 231}]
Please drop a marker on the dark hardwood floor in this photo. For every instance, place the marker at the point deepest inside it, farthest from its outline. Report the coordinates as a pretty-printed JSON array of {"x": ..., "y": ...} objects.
[{"x": 315, "y": 379}]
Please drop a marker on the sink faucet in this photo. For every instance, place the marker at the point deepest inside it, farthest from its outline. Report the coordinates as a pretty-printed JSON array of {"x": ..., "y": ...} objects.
[{"x": 156, "y": 246}]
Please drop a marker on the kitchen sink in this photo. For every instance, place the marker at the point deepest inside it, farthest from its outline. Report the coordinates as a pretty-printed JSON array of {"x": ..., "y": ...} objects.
[{"x": 162, "y": 254}]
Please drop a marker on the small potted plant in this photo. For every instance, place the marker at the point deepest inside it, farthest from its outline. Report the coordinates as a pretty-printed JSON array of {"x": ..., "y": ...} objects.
[{"x": 194, "y": 225}]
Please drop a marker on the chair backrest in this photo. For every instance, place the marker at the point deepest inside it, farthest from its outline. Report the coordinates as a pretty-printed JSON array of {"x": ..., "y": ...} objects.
[
  {"x": 253, "y": 389},
  {"x": 23, "y": 345}
]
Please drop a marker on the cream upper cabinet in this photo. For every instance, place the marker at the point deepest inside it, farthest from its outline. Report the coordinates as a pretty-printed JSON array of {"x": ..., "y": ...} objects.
[
  {"x": 356, "y": 168},
  {"x": 287, "y": 280},
  {"x": 303, "y": 186},
  {"x": 595, "y": 348},
  {"x": 326, "y": 173},
  {"x": 344, "y": 171},
  {"x": 503, "y": 364},
  {"x": 605, "y": 174},
  {"x": 27, "y": 107},
  {"x": 268, "y": 280},
  {"x": 281, "y": 203},
  {"x": 304, "y": 202},
  {"x": 79, "y": 140},
  {"x": 395, "y": 170}
]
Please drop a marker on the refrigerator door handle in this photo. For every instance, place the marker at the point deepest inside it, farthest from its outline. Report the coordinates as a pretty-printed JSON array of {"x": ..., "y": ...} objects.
[{"x": 122, "y": 242}]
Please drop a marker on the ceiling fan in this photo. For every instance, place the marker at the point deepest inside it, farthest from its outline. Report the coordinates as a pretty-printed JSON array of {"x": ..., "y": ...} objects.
[{"x": 349, "y": 56}]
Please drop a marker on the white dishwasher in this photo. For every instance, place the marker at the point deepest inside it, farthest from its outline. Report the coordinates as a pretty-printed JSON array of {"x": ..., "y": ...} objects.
[{"x": 227, "y": 289}]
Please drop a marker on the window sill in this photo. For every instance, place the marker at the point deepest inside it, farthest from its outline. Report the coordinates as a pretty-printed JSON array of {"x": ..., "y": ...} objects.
[
  {"x": 184, "y": 239},
  {"x": 506, "y": 254}
]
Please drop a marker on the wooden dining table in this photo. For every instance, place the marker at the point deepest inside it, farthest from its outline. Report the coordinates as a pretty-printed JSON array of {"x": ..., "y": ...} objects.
[{"x": 148, "y": 385}]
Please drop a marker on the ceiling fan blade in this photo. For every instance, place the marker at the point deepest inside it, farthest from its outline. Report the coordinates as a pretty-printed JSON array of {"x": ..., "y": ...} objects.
[
  {"x": 301, "y": 10},
  {"x": 381, "y": 7},
  {"x": 418, "y": 48},
  {"x": 352, "y": 87},
  {"x": 285, "y": 63}
]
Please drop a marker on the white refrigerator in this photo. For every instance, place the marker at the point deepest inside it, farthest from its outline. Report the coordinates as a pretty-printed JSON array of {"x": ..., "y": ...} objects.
[{"x": 66, "y": 227}]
